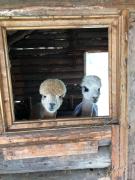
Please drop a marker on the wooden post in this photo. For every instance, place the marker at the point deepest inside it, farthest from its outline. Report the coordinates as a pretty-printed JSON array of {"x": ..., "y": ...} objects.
[{"x": 123, "y": 97}]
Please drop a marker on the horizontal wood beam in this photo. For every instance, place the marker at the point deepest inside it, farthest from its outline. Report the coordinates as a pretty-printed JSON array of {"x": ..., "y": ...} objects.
[
  {"x": 50, "y": 150},
  {"x": 102, "y": 159},
  {"x": 56, "y": 43},
  {"x": 66, "y": 4},
  {"x": 47, "y": 68},
  {"x": 59, "y": 123},
  {"x": 55, "y": 135},
  {"x": 85, "y": 174},
  {"x": 68, "y": 7},
  {"x": 56, "y": 60},
  {"x": 43, "y": 76}
]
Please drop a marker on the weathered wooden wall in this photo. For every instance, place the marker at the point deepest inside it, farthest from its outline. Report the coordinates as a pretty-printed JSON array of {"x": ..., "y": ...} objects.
[
  {"x": 61, "y": 175},
  {"x": 131, "y": 99},
  {"x": 87, "y": 5},
  {"x": 71, "y": 7}
]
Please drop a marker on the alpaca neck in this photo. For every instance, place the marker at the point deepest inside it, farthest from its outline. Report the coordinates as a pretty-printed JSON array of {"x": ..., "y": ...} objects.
[{"x": 87, "y": 107}]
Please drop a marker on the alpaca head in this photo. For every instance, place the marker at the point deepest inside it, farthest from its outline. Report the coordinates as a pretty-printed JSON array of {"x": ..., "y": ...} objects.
[
  {"x": 91, "y": 88},
  {"x": 52, "y": 91}
]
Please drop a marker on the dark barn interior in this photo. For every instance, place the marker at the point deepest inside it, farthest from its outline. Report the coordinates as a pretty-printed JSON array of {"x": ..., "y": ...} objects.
[{"x": 36, "y": 55}]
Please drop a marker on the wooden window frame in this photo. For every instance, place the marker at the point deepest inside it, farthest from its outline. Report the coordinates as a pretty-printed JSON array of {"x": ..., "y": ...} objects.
[
  {"x": 69, "y": 130},
  {"x": 63, "y": 23}
]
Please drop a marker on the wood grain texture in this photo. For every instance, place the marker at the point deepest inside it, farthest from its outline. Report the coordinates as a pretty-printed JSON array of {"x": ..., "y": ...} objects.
[
  {"x": 46, "y": 8},
  {"x": 100, "y": 174},
  {"x": 50, "y": 150},
  {"x": 102, "y": 159},
  {"x": 4, "y": 100},
  {"x": 58, "y": 22},
  {"x": 131, "y": 100},
  {"x": 123, "y": 96},
  {"x": 60, "y": 123},
  {"x": 115, "y": 152},
  {"x": 55, "y": 135}
]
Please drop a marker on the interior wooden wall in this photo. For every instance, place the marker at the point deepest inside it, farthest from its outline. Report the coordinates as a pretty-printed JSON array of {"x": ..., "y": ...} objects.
[
  {"x": 59, "y": 53},
  {"x": 13, "y": 9}
]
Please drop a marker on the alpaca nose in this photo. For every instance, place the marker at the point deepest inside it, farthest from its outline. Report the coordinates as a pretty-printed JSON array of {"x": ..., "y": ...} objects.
[
  {"x": 95, "y": 99},
  {"x": 52, "y": 105}
]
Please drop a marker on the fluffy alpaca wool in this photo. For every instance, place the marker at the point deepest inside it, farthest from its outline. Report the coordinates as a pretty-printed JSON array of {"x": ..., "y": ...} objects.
[{"x": 53, "y": 87}]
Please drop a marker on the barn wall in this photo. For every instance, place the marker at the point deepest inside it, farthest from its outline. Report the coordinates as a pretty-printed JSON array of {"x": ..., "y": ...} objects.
[
  {"x": 131, "y": 99},
  {"x": 86, "y": 174},
  {"x": 71, "y": 7},
  {"x": 63, "y": 175}
]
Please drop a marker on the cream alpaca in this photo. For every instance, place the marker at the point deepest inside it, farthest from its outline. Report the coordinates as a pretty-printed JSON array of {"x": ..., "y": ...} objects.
[{"x": 52, "y": 92}]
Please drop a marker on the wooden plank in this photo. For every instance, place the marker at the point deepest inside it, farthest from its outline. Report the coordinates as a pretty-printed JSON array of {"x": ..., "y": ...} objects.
[
  {"x": 55, "y": 43},
  {"x": 60, "y": 123},
  {"x": 102, "y": 159},
  {"x": 89, "y": 33},
  {"x": 50, "y": 150},
  {"x": 113, "y": 64},
  {"x": 4, "y": 88},
  {"x": 60, "y": 23},
  {"x": 35, "y": 43},
  {"x": 38, "y": 52},
  {"x": 52, "y": 69},
  {"x": 7, "y": 85},
  {"x": 115, "y": 152},
  {"x": 48, "y": 34},
  {"x": 55, "y": 135},
  {"x": 47, "y": 68},
  {"x": 82, "y": 7},
  {"x": 131, "y": 102},
  {"x": 38, "y": 11},
  {"x": 2, "y": 124},
  {"x": 49, "y": 60},
  {"x": 86, "y": 33},
  {"x": 85, "y": 174},
  {"x": 43, "y": 76},
  {"x": 123, "y": 96},
  {"x": 46, "y": 51}
]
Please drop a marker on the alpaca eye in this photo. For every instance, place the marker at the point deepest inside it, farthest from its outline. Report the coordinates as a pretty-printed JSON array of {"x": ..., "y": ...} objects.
[
  {"x": 44, "y": 96},
  {"x": 98, "y": 89},
  {"x": 85, "y": 89},
  {"x": 61, "y": 97}
]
